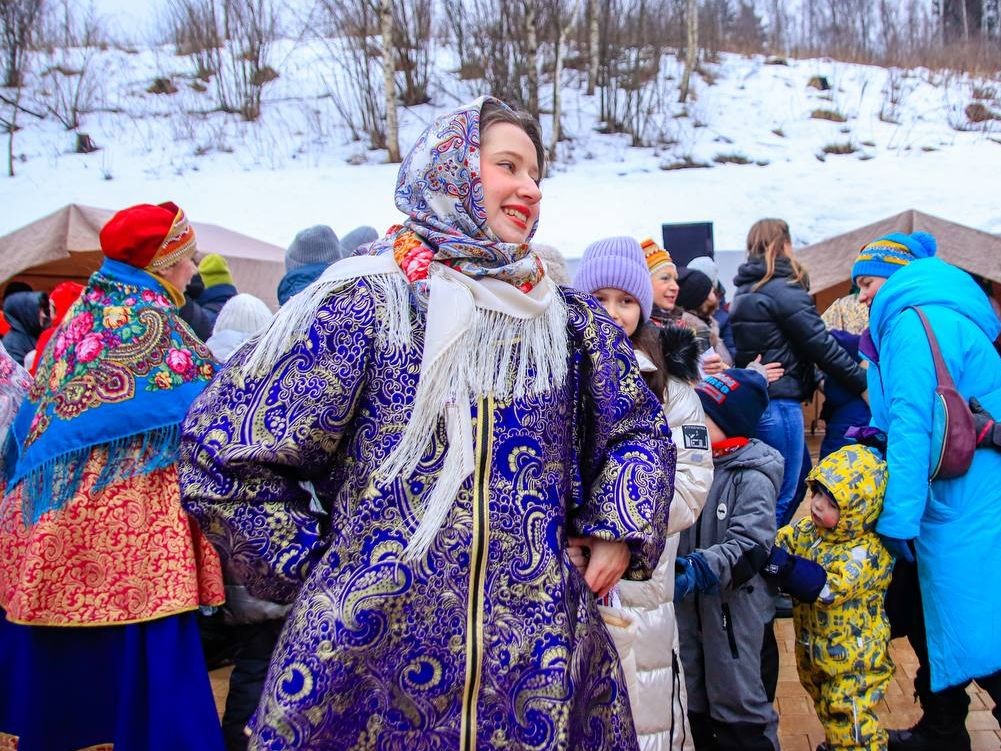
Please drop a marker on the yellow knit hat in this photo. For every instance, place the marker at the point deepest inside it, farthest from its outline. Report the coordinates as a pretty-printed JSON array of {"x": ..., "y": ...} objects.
[
  {"x": 656, "y": 256},
  {"x": 214, "y": 270}
]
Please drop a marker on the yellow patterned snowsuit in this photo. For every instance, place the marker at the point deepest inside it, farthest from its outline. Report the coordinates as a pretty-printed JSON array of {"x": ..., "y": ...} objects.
[{"x": 842, "y": 639}]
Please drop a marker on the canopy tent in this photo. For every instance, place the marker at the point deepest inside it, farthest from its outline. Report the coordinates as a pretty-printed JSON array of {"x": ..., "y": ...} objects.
[
  {"x": 65, "y": 245},
  {"x": 830, "y": 261}
]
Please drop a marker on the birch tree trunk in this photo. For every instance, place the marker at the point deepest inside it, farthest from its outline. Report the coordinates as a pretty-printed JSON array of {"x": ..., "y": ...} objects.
[
  {"x": 389, "y": 79},
  {"x": 692, "y": 50},
  {"x": 532, "y": 53},
  {"x": 965, "y": 17},
  {"x": 592, "y": 46}
]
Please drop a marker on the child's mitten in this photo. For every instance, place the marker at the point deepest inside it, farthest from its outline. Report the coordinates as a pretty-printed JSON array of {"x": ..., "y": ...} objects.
[
  {"x": 801, "y": 578},
  {"x": 692, "y": 572}
]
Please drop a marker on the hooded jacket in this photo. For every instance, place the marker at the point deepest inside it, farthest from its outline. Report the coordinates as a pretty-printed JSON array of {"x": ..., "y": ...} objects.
[
  {"x": 21, "y": 311},
  {"x": 955, "y": 524},
  {"x": 721, "y": 632},
  {"x": 848, "y": 615},
  {"x": 780, "y": 322}
]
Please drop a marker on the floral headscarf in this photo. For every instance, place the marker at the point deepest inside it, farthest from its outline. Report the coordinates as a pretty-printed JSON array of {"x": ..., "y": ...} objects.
[
  {"x": 122, "y": 365},
  {"x": 440, "y": 189}
]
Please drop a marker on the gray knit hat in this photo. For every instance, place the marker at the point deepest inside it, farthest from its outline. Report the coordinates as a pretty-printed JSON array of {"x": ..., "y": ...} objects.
[
  {"x": 356, "y": 238},
  {"x": 314, "y": 245},
  {"x": 616, "y": 262},
  {"x": 707, "y": 266}
]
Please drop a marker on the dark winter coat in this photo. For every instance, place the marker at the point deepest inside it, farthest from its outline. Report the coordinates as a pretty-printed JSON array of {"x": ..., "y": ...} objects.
[
  {"x": 780, "y": 322},
  {"x": 21, "y": 311},
  {"x": 201, "y": 310}
]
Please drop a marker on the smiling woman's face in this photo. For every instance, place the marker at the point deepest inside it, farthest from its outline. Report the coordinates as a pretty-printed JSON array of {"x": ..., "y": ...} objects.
[
  {"x": 510, "y": 174},
  {"x": 665, "y": 287}
]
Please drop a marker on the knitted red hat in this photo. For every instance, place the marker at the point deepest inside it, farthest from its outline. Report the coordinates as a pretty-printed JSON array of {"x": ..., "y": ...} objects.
[{"x": 139, "y": 235}]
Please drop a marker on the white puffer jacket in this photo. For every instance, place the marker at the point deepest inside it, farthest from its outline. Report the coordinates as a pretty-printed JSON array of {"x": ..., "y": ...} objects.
[{"x": 660, "y": 708}]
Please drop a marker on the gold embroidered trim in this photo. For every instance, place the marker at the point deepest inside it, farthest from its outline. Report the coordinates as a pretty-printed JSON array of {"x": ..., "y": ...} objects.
[{"x": 477, "y": 572}]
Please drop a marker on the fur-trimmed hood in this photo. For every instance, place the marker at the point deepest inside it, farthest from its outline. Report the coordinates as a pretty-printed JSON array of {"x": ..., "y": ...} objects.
[{"x": 681, "y": 353}]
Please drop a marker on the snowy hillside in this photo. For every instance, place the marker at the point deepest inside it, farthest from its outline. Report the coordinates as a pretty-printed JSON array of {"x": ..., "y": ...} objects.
[{"x": 911, "y": 144}]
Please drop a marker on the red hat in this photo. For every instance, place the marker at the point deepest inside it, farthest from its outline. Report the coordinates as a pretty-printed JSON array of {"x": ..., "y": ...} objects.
[
  {"x": 63, "y": 296},
  {"x": 147, "y": 235}
]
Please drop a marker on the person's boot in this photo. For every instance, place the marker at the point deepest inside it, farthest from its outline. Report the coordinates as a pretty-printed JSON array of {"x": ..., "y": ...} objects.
[{"x": 942, "y": 726}]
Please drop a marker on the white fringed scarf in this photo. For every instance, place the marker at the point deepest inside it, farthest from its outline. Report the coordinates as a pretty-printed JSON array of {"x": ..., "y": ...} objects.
[{"x": 482, "y": 337}]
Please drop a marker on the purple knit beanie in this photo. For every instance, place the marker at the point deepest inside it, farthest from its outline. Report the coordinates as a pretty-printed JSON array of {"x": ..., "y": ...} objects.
[{"x": 616, "y": 262}]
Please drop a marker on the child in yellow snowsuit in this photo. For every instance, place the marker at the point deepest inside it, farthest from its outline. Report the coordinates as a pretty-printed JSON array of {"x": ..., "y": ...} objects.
[{"x": 842, "y": 639}]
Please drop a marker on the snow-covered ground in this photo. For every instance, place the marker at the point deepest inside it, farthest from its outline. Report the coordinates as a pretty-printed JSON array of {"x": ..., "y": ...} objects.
[{"x": 290, "y": 169}]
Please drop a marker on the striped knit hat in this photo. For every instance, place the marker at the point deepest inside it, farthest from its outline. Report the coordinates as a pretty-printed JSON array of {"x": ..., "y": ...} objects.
[
  {"x": 656, "y": 257},
  {"x": 891, "y": 253}
]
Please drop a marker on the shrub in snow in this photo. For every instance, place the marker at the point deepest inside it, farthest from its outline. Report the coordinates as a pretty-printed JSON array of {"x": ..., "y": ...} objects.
[
  {"x": 976, "y": 112},
  {"x": 833, "y": 115},
  {"x": 840, "y": 148}
]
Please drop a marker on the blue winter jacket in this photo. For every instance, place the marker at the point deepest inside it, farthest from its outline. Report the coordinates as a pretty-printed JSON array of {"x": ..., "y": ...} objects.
[{"x": 956, "y": 523}]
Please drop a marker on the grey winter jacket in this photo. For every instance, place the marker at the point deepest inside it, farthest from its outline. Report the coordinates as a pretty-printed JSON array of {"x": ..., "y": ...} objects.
[{"x": 721, "y": 632}]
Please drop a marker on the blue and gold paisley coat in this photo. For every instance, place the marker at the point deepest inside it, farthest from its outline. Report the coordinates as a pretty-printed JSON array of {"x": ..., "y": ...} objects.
[{"x": 493, "y": 641}]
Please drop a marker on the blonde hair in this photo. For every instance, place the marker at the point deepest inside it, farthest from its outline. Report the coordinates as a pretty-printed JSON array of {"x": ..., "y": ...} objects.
[{"x": 767, "y": 239}]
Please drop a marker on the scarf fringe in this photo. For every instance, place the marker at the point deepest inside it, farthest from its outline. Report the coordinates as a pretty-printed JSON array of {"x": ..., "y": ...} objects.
[
  {"x": 293, "y": 319},
  {"x": 497, "y": 355},
  {"x": 52, "y": 485}
]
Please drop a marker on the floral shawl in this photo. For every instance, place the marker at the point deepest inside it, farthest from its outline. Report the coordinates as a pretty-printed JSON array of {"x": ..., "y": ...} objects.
[{"x": 122, "y": 366}]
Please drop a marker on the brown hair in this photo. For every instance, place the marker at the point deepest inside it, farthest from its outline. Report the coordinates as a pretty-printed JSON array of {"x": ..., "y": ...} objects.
[
  {"x": 646, "y": 339},
  {"x": 767, "y": 239},
  {"x": 493, "y": 112}
]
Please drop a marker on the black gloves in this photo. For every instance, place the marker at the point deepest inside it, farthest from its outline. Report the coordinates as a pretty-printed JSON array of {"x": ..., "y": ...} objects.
[{"x": 988, "y": 431}]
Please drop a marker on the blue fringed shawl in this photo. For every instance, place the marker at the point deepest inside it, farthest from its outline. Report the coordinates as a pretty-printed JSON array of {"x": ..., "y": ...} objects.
[{"x": 119, "y": 374}]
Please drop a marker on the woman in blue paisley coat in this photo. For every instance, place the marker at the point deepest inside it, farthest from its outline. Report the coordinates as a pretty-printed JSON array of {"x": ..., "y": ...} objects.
[{"x": 402, "y": 456}]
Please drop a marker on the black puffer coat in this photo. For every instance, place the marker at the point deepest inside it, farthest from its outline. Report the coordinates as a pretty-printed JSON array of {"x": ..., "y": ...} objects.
[{"x": 780, "y": 322}]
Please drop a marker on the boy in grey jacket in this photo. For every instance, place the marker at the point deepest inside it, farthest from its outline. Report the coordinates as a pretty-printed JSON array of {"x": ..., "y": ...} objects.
[{"x": 722, "y": 601}]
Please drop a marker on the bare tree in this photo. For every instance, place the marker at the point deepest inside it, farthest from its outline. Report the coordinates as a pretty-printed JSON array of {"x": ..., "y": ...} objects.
[
  {"x": 357, "y": 90},
  {"x": 72, "y": 81},
  {"x": 531, "y": 57},
  {"x": 389, "y": 81},
  {"x": 252, "y": 26},
  {"x": 196, "y": 28},
  {"x": 563, "y": 19},
  {"x": 413, "y": 46},
  {"x": 593, "y": 42},
  {"x": 691, "y": 48},
  {"x": 19, "y": 22}
]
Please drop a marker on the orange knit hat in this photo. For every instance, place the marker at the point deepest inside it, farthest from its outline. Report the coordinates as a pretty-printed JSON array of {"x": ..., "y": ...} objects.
[{"x": 656, "y": 256}]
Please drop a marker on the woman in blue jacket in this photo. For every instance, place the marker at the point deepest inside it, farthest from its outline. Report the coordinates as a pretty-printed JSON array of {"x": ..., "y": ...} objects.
[{"x": 952, "y": 527}]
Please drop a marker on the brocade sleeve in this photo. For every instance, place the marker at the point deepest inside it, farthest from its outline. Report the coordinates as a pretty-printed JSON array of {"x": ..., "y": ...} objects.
[
  {"x": 628, "y": 457},
  {"x": 251, "y": 444}
]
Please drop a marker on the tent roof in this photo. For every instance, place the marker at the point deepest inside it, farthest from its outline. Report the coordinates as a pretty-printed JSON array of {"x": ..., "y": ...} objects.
[
  {"x": 830, "y": 261},
  {"x": 66, "y": 245}
]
